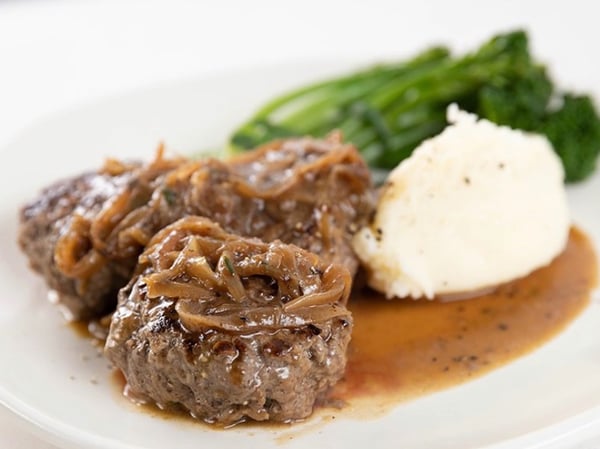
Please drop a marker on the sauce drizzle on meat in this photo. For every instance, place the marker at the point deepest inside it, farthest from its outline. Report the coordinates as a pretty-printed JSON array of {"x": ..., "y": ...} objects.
[{"x": 403, "y": 349}]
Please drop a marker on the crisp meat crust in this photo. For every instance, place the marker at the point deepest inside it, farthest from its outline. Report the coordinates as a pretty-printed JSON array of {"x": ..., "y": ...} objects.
[
  {"x": 309, "y": 192},
  {"x": 264, "y": 343}
]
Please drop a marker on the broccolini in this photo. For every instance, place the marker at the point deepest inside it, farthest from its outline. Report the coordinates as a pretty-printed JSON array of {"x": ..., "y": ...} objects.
[{"x": 387, "y": 110}]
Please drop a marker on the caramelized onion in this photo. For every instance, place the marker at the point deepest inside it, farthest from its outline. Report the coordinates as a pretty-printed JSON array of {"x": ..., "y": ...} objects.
[
  {"x": 335, "y": 285},
  {"x": 126, "y": 222},
  {"x": 257, "y": 319},
  {"x": 288, "y": 167},
  {"x": 230, "y": 279},
  {"x": 210, "y": 276},
  {"x": 174, "y": 289},
  {"x": 85, "y": 244},
  {"x": 72, "y": 255}
]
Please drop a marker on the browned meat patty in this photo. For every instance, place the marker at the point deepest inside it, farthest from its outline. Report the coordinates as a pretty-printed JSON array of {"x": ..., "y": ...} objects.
[
  {"x": 312, "y": 193},
  {"x": 57, "y": 234},
  {"x": 231, "y": 328}
]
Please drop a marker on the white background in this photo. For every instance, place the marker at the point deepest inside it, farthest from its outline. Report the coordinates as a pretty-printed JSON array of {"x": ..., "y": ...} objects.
[{"x": 57, "y": 54}]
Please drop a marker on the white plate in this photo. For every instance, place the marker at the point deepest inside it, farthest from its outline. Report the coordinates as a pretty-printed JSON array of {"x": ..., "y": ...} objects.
[{"x": 60, "y": 385}]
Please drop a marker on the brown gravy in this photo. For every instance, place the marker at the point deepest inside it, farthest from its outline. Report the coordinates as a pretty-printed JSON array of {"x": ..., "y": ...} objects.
[{"x": 401, "y": 349}]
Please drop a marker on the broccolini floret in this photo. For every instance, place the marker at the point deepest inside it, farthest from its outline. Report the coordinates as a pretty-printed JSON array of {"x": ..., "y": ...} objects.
[
  {"x": 387, "y": 110},
  {"x": 574, "y": 130}
]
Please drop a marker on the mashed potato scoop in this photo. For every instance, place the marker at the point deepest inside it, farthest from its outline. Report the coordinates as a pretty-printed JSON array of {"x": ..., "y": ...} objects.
[{"x": 473, "y": 207}]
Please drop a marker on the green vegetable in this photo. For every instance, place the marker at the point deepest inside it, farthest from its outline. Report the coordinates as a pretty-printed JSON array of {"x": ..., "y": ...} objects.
[
  {"x": 229, "y": 265},
  {"x": 387, "y": 110},
  {"x": 574, "y": 131},
  {"x": 169, "y": 195}
]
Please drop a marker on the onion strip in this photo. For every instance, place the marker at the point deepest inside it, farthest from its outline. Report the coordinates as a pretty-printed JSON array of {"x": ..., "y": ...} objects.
[{"x": 178, "y": 264}]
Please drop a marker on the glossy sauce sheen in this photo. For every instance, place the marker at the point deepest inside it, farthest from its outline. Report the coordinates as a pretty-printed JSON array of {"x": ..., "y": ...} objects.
[{"x": 401, "y": 348}]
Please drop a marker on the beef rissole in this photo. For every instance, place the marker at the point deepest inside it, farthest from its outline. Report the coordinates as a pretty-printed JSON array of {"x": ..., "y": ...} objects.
[
  {"x": 85, "y": 234},
  {"x": 62, "y": 233},
  {"x": 231, "y": 328}
]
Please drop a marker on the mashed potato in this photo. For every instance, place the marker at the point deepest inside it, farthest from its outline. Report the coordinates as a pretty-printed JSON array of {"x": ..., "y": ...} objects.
[{"x": 473, "y": 207}]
